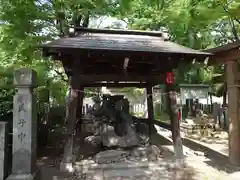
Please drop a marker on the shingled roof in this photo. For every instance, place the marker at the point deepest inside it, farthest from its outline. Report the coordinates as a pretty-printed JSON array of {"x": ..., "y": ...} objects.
[
  {"x": 96, "y": 39},
  {"x": 225, "y": 47}
]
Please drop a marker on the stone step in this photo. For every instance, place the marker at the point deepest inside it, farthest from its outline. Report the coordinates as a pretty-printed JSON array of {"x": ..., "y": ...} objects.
[
  {"x": 91, "y": 165},
  {"x": 124, "y": 171}
]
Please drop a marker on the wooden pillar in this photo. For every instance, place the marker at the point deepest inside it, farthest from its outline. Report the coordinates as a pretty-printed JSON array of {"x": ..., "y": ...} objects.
[
  {"x": 80, "y": 102},
  {"x": 66, "y": 164},
  {"x": 67, "y": 99},
  {"x": 80, "y": 108},
  {"x": 150, "y": 109},
  {"x": 175, "y": 125},
  {"x": 233, "y": 112}
]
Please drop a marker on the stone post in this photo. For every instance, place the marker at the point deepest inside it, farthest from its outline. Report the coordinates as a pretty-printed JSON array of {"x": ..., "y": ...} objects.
[
  {"x": 24, "y": 127},
  {"x": 3, "y": 150}
]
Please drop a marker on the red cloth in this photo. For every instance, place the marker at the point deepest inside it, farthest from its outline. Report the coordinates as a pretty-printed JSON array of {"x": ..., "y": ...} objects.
[{"x": 179, "y": 115}]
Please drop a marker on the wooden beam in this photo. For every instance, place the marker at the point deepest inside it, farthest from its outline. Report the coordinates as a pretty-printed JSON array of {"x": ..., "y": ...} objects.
[
  {"x": 77, "y": 80},
  {"x": 121, "y": 77},
  {"x": 116, "y": 85},
  {"x": 118, "y": 31}
]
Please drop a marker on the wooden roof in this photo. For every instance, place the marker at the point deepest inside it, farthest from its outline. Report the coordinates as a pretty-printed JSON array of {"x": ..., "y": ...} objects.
[
  {"x": 112, "y": 40},
  {"x": 225, "y": 47},
  {"x": 98, "y": 55},
  {"x": 225, "y": 53}
]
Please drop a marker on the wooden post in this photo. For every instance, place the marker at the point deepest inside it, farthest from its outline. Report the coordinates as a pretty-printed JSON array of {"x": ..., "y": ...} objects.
[
  {"x": 233, "y": 112},
  {"x": 86, "y": 107},
  {"x": 150, "y": 109},
  {"x": 80, "y": 108},
  {"x": 66, "y": 164},
  {"x": 67, "y": 99},
  {"x": 80, "y": 103},
  {"x": 173, "y": 113}
]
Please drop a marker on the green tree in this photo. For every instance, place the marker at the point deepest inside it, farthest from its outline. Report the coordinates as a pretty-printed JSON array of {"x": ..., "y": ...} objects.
[
  {"x": 25, "y": 24},
  {"x": 196, "y": 24}
]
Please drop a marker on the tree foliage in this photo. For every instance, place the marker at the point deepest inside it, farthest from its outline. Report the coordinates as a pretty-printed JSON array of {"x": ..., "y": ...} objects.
[
  {"x": 27, "y": 23},
  {"x": 196, "y": 24}
]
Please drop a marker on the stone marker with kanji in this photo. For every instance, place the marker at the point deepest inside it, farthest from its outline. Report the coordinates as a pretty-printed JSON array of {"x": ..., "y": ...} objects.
[{"x": 24, "y": 127}]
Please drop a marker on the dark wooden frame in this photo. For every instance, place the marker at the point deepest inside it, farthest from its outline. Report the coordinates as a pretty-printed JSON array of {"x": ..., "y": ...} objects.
[{"x": 229, "y": 55}]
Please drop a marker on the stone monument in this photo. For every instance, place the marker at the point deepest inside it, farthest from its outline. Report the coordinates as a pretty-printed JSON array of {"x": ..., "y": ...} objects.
[
  {"x": 3, "y": 150},
  {"x": 24, "y": 127}
]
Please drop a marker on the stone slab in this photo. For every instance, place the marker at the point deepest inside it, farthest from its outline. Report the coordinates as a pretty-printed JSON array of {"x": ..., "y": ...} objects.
[
  {"x": 24, "y": 133},
  {"x": 110, "y": 156},
  {"x": 24, "y": 127},
  {"x": 33, "y": 176},
  {"x": 94, "y": 175},
  {"x": 151, "y": 153},
  {"x": 126, "y": 173},
  {"x": 122, "y": 165},
  {"x": 25, "y": 77}
]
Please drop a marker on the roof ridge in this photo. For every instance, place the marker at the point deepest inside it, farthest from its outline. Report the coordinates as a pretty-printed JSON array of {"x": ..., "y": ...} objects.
[
  {"x": 118, "y": 31},
  {"x": 224, "y": 47}
]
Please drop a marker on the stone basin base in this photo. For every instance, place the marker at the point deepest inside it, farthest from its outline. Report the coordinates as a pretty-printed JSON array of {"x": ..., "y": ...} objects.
[{"x": 124, "y": 171}]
